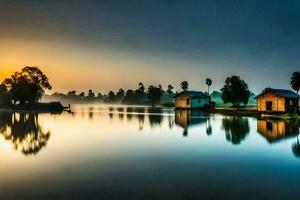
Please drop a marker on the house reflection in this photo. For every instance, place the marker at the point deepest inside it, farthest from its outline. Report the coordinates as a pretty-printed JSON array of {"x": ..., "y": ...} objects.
[
  {"x": 189, "y": 118},
  {"x": 276, "y": 130},
  {"x": 23, "y": 131}
]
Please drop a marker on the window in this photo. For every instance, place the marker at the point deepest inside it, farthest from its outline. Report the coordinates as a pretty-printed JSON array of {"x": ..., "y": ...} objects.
[
  {"x": 199, "y": 101},
  {"x": 188, "y": 101},
  {"x": 269, "y": 126}
]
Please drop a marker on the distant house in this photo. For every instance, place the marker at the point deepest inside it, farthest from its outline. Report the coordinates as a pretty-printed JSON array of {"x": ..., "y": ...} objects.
[
  {"x": 191, "y": 100},
  {"x": 277, "y": 100}
]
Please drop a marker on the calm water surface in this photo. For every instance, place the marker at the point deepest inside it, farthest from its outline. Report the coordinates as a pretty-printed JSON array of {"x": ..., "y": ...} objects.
[{"x": 114, "y": 152}]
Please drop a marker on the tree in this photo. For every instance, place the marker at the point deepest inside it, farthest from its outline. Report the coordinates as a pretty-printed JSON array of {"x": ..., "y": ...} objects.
[
  {"x": 27, "y": 86},
  {"x": 208, "y": 82},
  {"x": 120, "y": 95},
  {"x": 295, "y": 81},
  {"x": 100, "y": 96},
  {"x": 111, "y": 96},
  {"x": 4, "y": 96},
  {"x": 235, "y": 91},
  {"x": 141, "y": 87},
  {"x": 184, "y": 85},
  {"x": 170, "y": 88},
  {"x": 71, "y": 95},
  {"x": 140, "y": 92},
  {"x": 82, "y": 95},
  {"x": 154, "y": 94},
  {"x": 91, "y": 94},
  {"x": 129, "y": 97}
]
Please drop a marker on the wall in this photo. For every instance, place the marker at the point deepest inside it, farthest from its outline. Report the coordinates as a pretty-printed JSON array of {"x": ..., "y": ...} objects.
[
  {"x": 278, "y": 103},
  {"x": 180, "y": 102},
  {"x": 199, "y": 102}
]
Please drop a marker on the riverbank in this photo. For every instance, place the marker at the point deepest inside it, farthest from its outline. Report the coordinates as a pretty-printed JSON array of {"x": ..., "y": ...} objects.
[
  {"x": 244, "y": 112},
  {"x": 252, "y": 112},
  {"x": 51, "y": 107}
]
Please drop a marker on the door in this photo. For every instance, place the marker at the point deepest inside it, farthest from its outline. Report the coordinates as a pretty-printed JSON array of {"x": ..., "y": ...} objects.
[{"x": 269, "y": 105}]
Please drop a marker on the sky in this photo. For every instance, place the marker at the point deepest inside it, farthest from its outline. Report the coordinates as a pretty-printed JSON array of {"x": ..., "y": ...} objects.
[{"x": 107, "y": 45}]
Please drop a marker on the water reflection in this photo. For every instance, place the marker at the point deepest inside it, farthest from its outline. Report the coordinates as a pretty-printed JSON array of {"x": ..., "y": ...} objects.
[
  {"x": 189, "y": 118},
  {"x": 296, "y": 148},
  {"x": 236, "y": 128},
  {"x": 155, "y": 117},
  {"x": 87, "y": 157},
  {"x": 276, "y": 130},
  {"x": 23, "y": 131}
]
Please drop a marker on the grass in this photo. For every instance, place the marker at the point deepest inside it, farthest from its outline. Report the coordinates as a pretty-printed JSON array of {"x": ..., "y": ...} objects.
[{"x": 285, "y": 116}]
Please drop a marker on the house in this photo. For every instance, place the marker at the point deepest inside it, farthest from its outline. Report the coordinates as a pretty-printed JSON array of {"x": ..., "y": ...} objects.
[
  {"x": 191, "y": 100},
  {"x": 277, "y": 100}
]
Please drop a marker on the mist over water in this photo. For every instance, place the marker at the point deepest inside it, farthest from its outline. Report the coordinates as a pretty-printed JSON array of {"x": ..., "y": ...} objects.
[{"x": 136, "y": 152}]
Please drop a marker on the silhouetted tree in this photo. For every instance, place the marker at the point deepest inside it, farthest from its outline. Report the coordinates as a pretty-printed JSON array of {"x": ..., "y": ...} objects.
[
  {"x": 111, "y": 96},
  {"x": 91, "y": 94},
  {"x": 170, "y": 88},
  {"x": 140, "y": 92},
  {"x": 27, "y": 86},
  {"x": 154, "y": 94},
  {"x": 141, "y": 87},
  {"x": 129, "y": 97},
  {"x": 82, "y": 95},
  {"x": 99, "y": 96},
  {"x": 4, "y": 96},
  {"x": 295, "y": 81},
  {"x": 184, "y": 85},
  {"x": 208, "y": 82},
  {"x": 72, "y": 95},
  {"x": 235, "y": 91},
  {"x": 120, "y": 95}
]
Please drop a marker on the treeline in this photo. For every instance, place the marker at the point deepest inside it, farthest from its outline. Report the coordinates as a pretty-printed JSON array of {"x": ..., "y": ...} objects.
[
  {"x": 28, "y": 86},
  {"x": 152, "y": 95}
]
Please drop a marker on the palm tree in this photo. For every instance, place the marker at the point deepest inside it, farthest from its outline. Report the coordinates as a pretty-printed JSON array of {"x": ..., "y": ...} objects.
[
  {"x": 295, "y": 81},
  {"x": 184, "y": 85},
  {"x": 170, "y": 88},
  {"x": 208, "y": 82}
]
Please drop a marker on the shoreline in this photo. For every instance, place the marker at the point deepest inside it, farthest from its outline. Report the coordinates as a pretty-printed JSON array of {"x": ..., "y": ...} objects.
[
  {"x": 251, "y": 112},
  {"x": 51, "y": 107}
]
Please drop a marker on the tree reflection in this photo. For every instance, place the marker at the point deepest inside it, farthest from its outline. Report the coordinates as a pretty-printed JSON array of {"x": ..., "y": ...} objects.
[
  {"x": 23, "y": 131},
  {"x": 155, "y": 117},
  {"x": 236, "y": 129},
  {"x": 140, "y": 115},
  {"x": 296, "y": 148}
]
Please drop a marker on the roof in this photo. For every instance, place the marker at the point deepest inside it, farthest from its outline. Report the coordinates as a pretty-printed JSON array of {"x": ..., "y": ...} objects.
[
  {"x": 192, "y": 94},
  {"x": 281, "y": 93}
]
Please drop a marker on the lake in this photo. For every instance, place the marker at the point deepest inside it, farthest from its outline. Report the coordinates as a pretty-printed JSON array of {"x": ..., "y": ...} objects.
[{"x": 119, "y": 152}]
